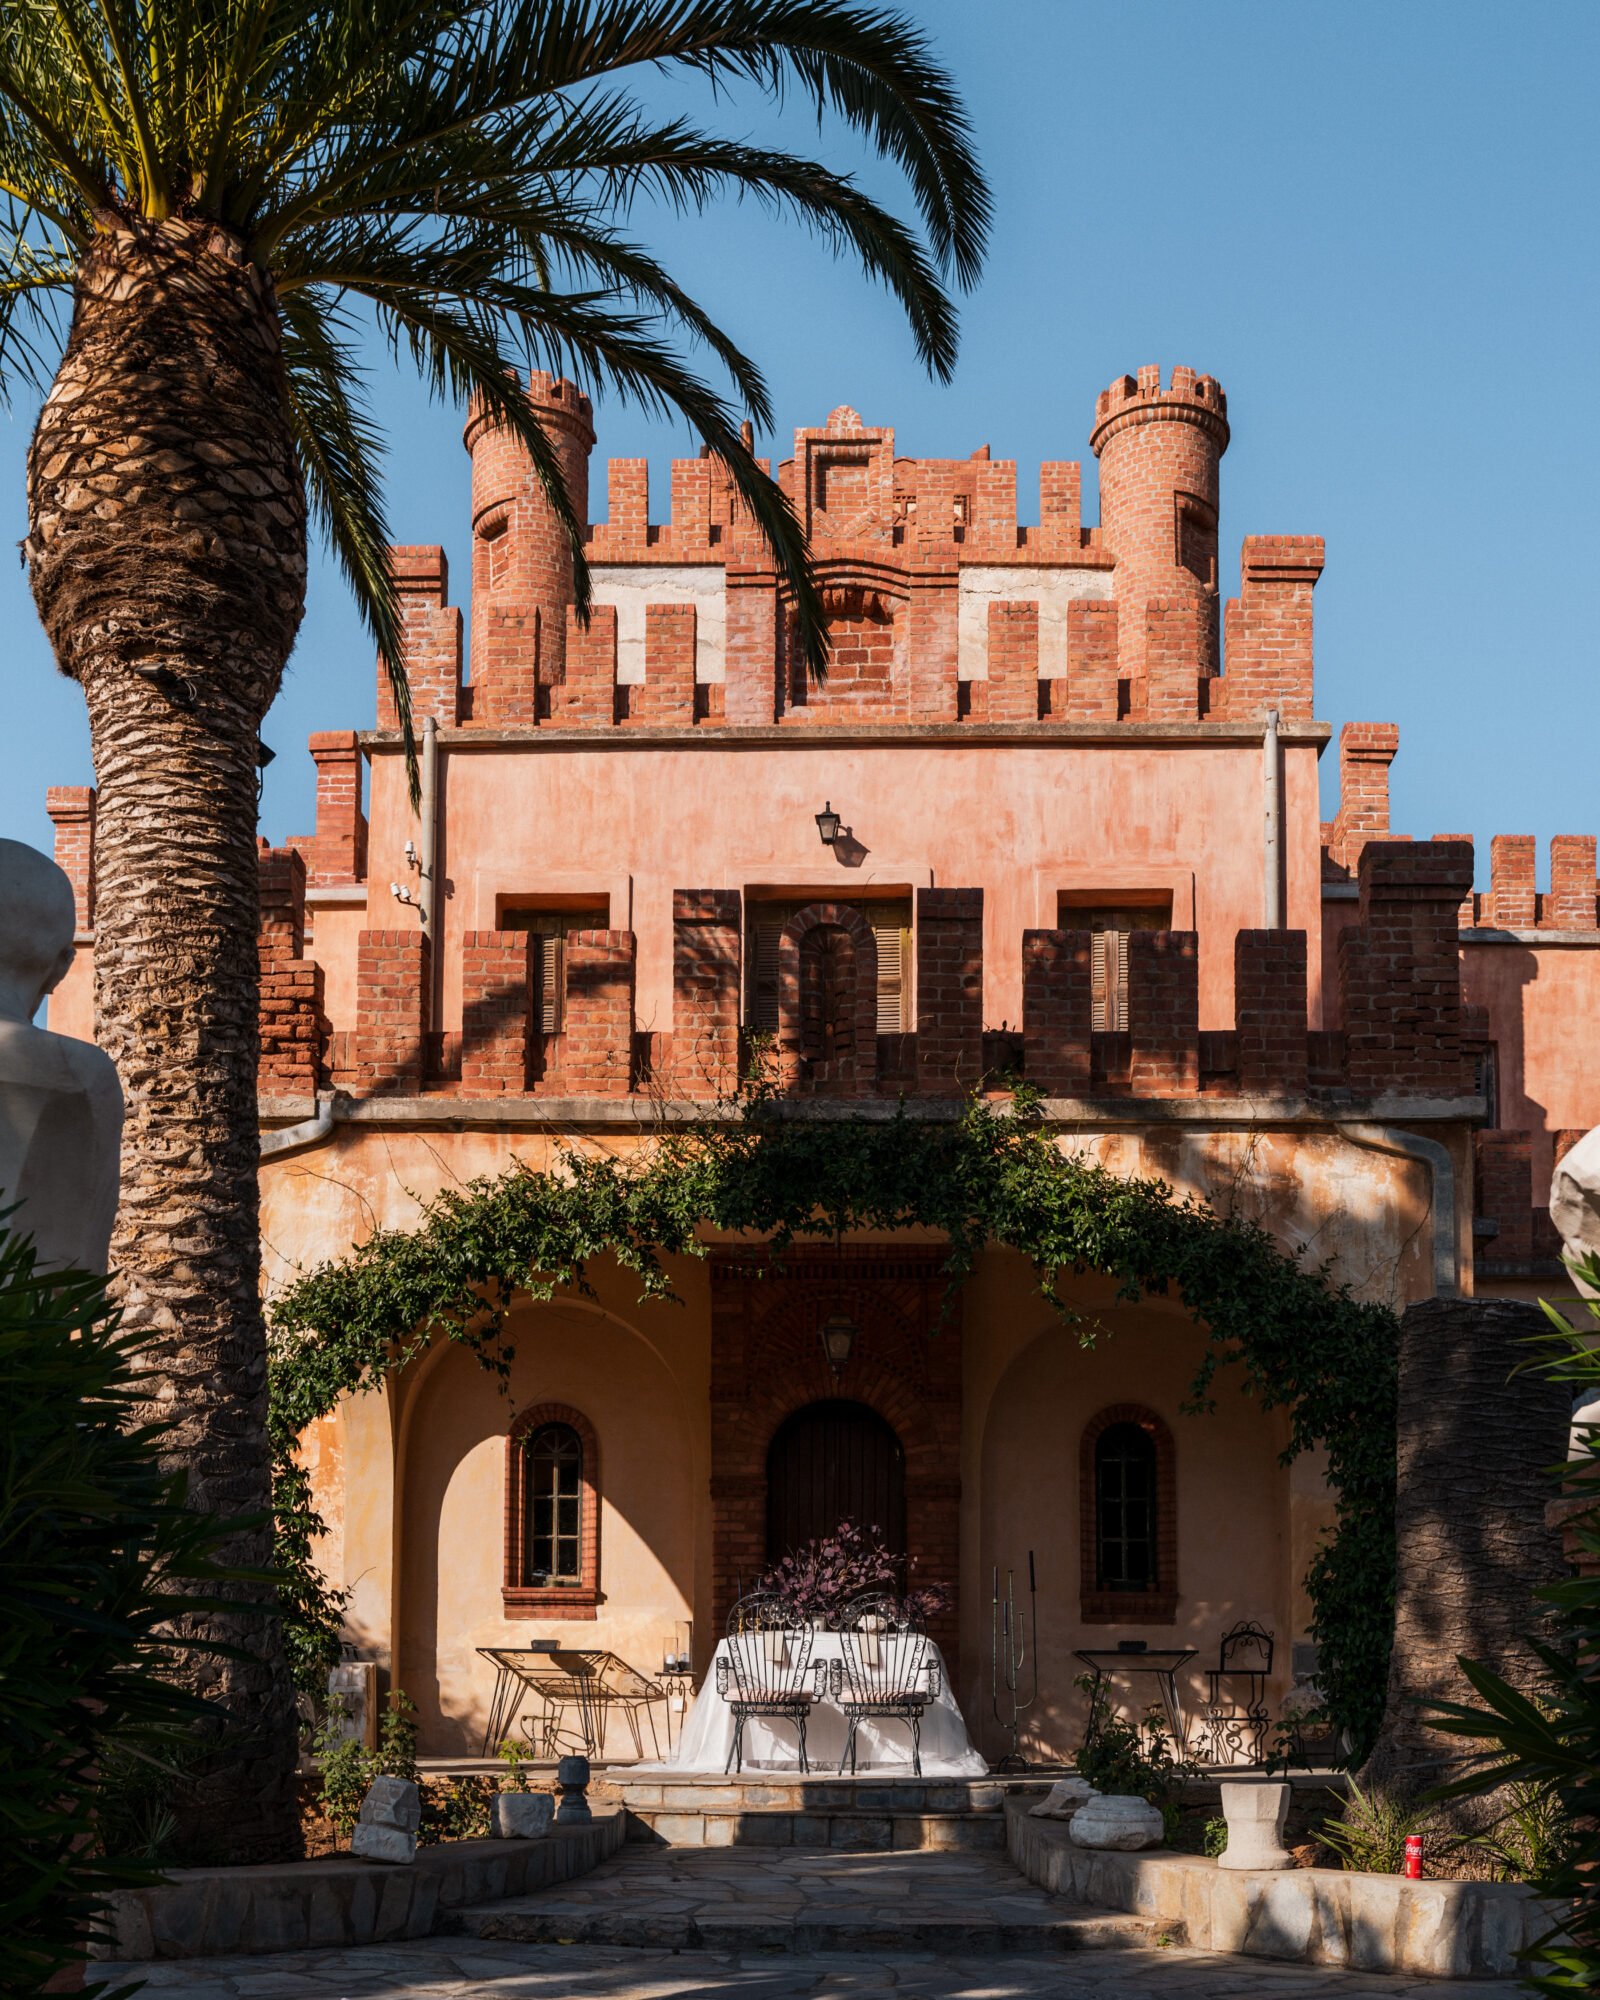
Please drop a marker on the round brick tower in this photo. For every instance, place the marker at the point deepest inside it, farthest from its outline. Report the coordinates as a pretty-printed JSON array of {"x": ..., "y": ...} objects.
[
  {"x": 1159, "y": 451},
  {"x": 521, "y": 558}
]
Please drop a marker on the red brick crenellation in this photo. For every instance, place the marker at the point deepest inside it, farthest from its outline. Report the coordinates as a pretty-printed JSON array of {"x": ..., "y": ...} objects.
[
  {"x": 666, "y": 696},
  {"x": 294, "y": 1028},
  {"x": 1057, "y": 1011},
  {"x": 1366, "y": 750},
  {"x": 1400, "y": 971},
  {"x": 705, "y": 993},
  {"x": 1013, "y": 680},
  {"x": 592, "y": 1056},
  {"x": 949, "y": 948},
  {"x": 387, "y": 1051},
  {"x": 496, "y": 1012},
  {"x": 72, "y": 810},
  {"x": 1268, "y": 630},
  {"x": 337, "y": 851},
  {"x": 1269, "y": 989},
  {"x": 432, "y": 629},
  {"x": 1163, "y": 1013}
]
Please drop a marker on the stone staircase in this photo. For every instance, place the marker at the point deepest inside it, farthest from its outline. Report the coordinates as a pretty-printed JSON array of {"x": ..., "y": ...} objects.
[
  {"x": 783, "y": 1809},
  {"x": 800, "y": 1901}
]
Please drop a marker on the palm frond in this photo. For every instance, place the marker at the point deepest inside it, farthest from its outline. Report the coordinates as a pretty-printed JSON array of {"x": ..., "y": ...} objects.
[{"x": 341, "y": 451}]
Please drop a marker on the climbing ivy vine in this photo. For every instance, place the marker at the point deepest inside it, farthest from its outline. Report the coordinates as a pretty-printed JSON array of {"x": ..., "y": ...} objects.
[{"x": 991, "y": 1175}]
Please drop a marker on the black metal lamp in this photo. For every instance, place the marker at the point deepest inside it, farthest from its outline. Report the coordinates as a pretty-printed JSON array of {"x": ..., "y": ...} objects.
[
  {"x": 838, "y": 1333},
  {"x": 264, "y": 757},
  {"x": 828, "y": 824}
]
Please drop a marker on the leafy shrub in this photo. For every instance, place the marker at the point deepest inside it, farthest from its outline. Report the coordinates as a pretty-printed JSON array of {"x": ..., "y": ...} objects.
[
  {"x": 516, "y": 1772},
  {"x": 1128, "y": 1759},
  {"x": 348, "y": 1767},
  {"x": 1216, "y": 1838},
  {"x": 100, "y": 1561},
  {"x": 817, "y": 1581},
  {"x": 1534, "y": 1838},
  {"x": 1372, "y": 1830}
]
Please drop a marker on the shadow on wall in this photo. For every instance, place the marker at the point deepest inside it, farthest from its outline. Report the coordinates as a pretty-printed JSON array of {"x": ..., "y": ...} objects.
[
  {"x": 1229, "y": 1541},
  {"x": 452, "y": 1483}
]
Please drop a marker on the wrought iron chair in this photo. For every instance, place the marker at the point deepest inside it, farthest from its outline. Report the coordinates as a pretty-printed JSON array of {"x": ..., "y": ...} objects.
[
  {"x": 763, "y": 1668},
  {"x": 887, "y": 1669},
  {"x": 1234, "y": 1716}
]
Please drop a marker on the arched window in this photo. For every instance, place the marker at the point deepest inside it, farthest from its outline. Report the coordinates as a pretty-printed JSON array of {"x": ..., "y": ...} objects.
[
  {"x": 1127, "y": 1496},
  {"x": 1125, "y": 1509},
  {"x": 552, "y": 1502},
  {"x": 552, "y": 1564}
]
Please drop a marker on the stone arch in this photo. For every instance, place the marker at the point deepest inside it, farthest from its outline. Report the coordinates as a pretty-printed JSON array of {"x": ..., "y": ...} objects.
[{"x": 828, "y": 1000}]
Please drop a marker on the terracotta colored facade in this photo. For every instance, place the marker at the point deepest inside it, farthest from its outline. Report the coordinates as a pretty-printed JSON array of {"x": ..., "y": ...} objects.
[{"x": 1079, "y": 842}]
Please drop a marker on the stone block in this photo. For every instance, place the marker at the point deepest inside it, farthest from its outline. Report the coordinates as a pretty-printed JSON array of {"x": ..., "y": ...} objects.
[
  {"x": 392, "y": 1802},
  {"x": 1064, "y": 1799},
  {"x": 1434, "y": 1933},
  {"x": 1285, "y": 1917},
  {"x": 1330, "y": 1941},
  {"x": 523, "y": 1815},
  {"x": 679, "y": 1829},
  {"x": 861, "y": 1831},
  {"x": 383, "y": 1843},
  {"x": 1374, "y": 1921}
]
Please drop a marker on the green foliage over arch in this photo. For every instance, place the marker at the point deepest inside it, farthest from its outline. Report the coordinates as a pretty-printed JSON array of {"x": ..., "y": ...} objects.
[{"x": 987, "y": 1176}]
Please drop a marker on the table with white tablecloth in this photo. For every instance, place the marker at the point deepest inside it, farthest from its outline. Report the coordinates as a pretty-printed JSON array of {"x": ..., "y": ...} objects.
[{"x": 882, "y": 1743}]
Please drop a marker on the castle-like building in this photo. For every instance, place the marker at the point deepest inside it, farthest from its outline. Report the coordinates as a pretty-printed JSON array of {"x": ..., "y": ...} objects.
[{"x": 1053, "y": 812}]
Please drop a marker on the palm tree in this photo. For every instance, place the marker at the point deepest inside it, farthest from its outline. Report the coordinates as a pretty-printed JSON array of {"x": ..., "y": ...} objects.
[{"x": 224, "y": 187}]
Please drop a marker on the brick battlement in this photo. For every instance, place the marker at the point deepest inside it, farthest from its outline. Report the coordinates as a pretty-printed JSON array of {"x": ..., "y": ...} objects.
[
  {"x": 1405, "y": 1032},
  {"x": 1188, "y": 398},
  {"x": 932, "y": 544}
]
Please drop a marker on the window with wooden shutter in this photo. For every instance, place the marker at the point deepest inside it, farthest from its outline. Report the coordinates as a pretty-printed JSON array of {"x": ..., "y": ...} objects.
[
  {"x": 1109, "y": 926},
  {"x": 890, "y": 924},
  {"x": 550, "y": 929}
]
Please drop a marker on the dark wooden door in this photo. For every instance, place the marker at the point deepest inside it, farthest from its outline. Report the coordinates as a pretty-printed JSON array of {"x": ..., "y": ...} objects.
[{"x": 831, "y": 1462}]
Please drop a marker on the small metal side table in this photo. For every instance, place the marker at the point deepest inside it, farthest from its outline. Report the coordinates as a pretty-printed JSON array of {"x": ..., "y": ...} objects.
[
  {"x": 1162, "y": 1664},
  {"x": 677, "y": 1689},
  {"x": 514, "y": 1667}
]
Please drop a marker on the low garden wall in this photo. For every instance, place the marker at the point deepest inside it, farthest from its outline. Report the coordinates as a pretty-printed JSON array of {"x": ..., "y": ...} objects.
[
  {"x": 1320, "y": 1916},
  {"x": 210, "y": 1912}
]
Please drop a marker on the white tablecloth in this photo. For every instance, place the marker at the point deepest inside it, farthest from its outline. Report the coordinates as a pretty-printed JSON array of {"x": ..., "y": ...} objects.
[{"x": 881, "y": 1744}]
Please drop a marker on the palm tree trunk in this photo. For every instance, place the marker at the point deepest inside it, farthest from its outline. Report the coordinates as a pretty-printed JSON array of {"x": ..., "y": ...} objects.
[
  {"x": 167, "y": 559},
  {"x": 1473, "y": 1543}
]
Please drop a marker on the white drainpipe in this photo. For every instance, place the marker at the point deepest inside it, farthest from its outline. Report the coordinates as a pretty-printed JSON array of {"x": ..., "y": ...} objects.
[{"x": 1272, "y": 814}]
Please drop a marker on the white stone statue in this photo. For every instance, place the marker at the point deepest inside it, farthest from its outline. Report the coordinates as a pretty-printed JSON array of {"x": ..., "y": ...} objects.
[
  {"x": 1575, "y": 1211},
  {"x": 60, "y": 1101}
]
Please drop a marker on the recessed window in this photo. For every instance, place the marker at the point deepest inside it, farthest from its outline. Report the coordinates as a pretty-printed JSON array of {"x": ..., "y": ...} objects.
[
  {"x": 890, "y": 924},
  {"x": 552, "y": 1552},
  {"x": 1127, "y": 1498},
  {"x": 552, "y": 1507},
  {"x": 1125, "y": 1509},
  {"x": 1110, "y": 924},
  {"x": 551, "y": 927}
]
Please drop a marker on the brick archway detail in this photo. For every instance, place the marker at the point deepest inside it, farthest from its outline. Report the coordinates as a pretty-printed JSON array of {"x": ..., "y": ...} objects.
[
  {"x": 812, "y": 935},
  {"x": 767, "y": 1363}
]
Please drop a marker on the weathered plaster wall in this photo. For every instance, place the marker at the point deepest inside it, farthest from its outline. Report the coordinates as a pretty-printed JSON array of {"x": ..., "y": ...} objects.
[{"x": 1544, "y": 1013}]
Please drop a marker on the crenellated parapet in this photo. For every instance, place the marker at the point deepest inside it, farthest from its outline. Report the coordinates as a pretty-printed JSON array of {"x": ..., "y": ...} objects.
[{"x": 911, "y": 554}]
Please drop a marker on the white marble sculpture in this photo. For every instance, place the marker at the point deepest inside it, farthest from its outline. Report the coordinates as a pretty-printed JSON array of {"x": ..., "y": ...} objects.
[
  {"x": 60, "y": 1102},
  {"x": 1575, "y": 1211}
]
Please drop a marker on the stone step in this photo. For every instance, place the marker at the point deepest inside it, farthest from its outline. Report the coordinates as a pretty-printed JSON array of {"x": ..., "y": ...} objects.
[
  {"x": 858, "y": 1832},
  {"x": 1069, "y": 1928},
  {"x": 816, "y": 1791}
]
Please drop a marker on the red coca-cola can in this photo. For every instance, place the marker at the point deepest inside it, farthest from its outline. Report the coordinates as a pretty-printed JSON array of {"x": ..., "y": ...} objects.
[{"x": 1413, "y": 1857}]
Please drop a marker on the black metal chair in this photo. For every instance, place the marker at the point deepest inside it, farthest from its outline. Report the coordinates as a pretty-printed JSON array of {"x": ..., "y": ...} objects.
[
  {"x": 886, "y": 1669},
  {"x": 1234, "y": 1716},
  {"x": 763, "y": 1668}
]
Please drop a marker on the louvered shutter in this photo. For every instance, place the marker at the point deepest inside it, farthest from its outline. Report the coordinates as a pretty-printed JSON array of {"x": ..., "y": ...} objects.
[
  {"x": 892, "y": 936},
  {"x": 890, "y": 924}
]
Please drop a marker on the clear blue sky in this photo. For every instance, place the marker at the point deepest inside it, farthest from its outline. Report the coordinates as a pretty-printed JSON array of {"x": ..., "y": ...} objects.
[{"x": 1375, "y": 223}]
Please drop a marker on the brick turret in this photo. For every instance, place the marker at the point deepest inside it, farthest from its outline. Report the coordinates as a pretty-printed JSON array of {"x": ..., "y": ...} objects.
[
  {"x": 1159, "y": 451},
  {"x": 521, "y": 557}
]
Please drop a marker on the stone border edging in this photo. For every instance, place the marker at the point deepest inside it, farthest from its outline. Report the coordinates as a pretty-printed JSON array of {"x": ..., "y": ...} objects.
[
  {"x": 1318, "y": 1916},
  {"x": 211, "y": 1912}
]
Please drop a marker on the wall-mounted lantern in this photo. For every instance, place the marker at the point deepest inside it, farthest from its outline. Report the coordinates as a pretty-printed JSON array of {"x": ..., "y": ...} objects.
[
  {"x": 828, "y": 825},
  {"x": 838, "y": 1333}
]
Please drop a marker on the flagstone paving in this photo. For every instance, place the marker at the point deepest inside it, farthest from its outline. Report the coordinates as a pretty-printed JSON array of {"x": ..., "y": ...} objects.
[{"x": 743, "y": 1924}]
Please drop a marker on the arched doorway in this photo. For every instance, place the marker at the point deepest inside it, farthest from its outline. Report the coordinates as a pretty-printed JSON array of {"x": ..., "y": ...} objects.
[{"x": 834, "y": 1461}]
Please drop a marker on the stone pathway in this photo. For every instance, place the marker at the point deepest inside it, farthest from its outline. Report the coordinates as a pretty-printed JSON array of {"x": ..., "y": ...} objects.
[{"x": 746, "y": 1924}]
